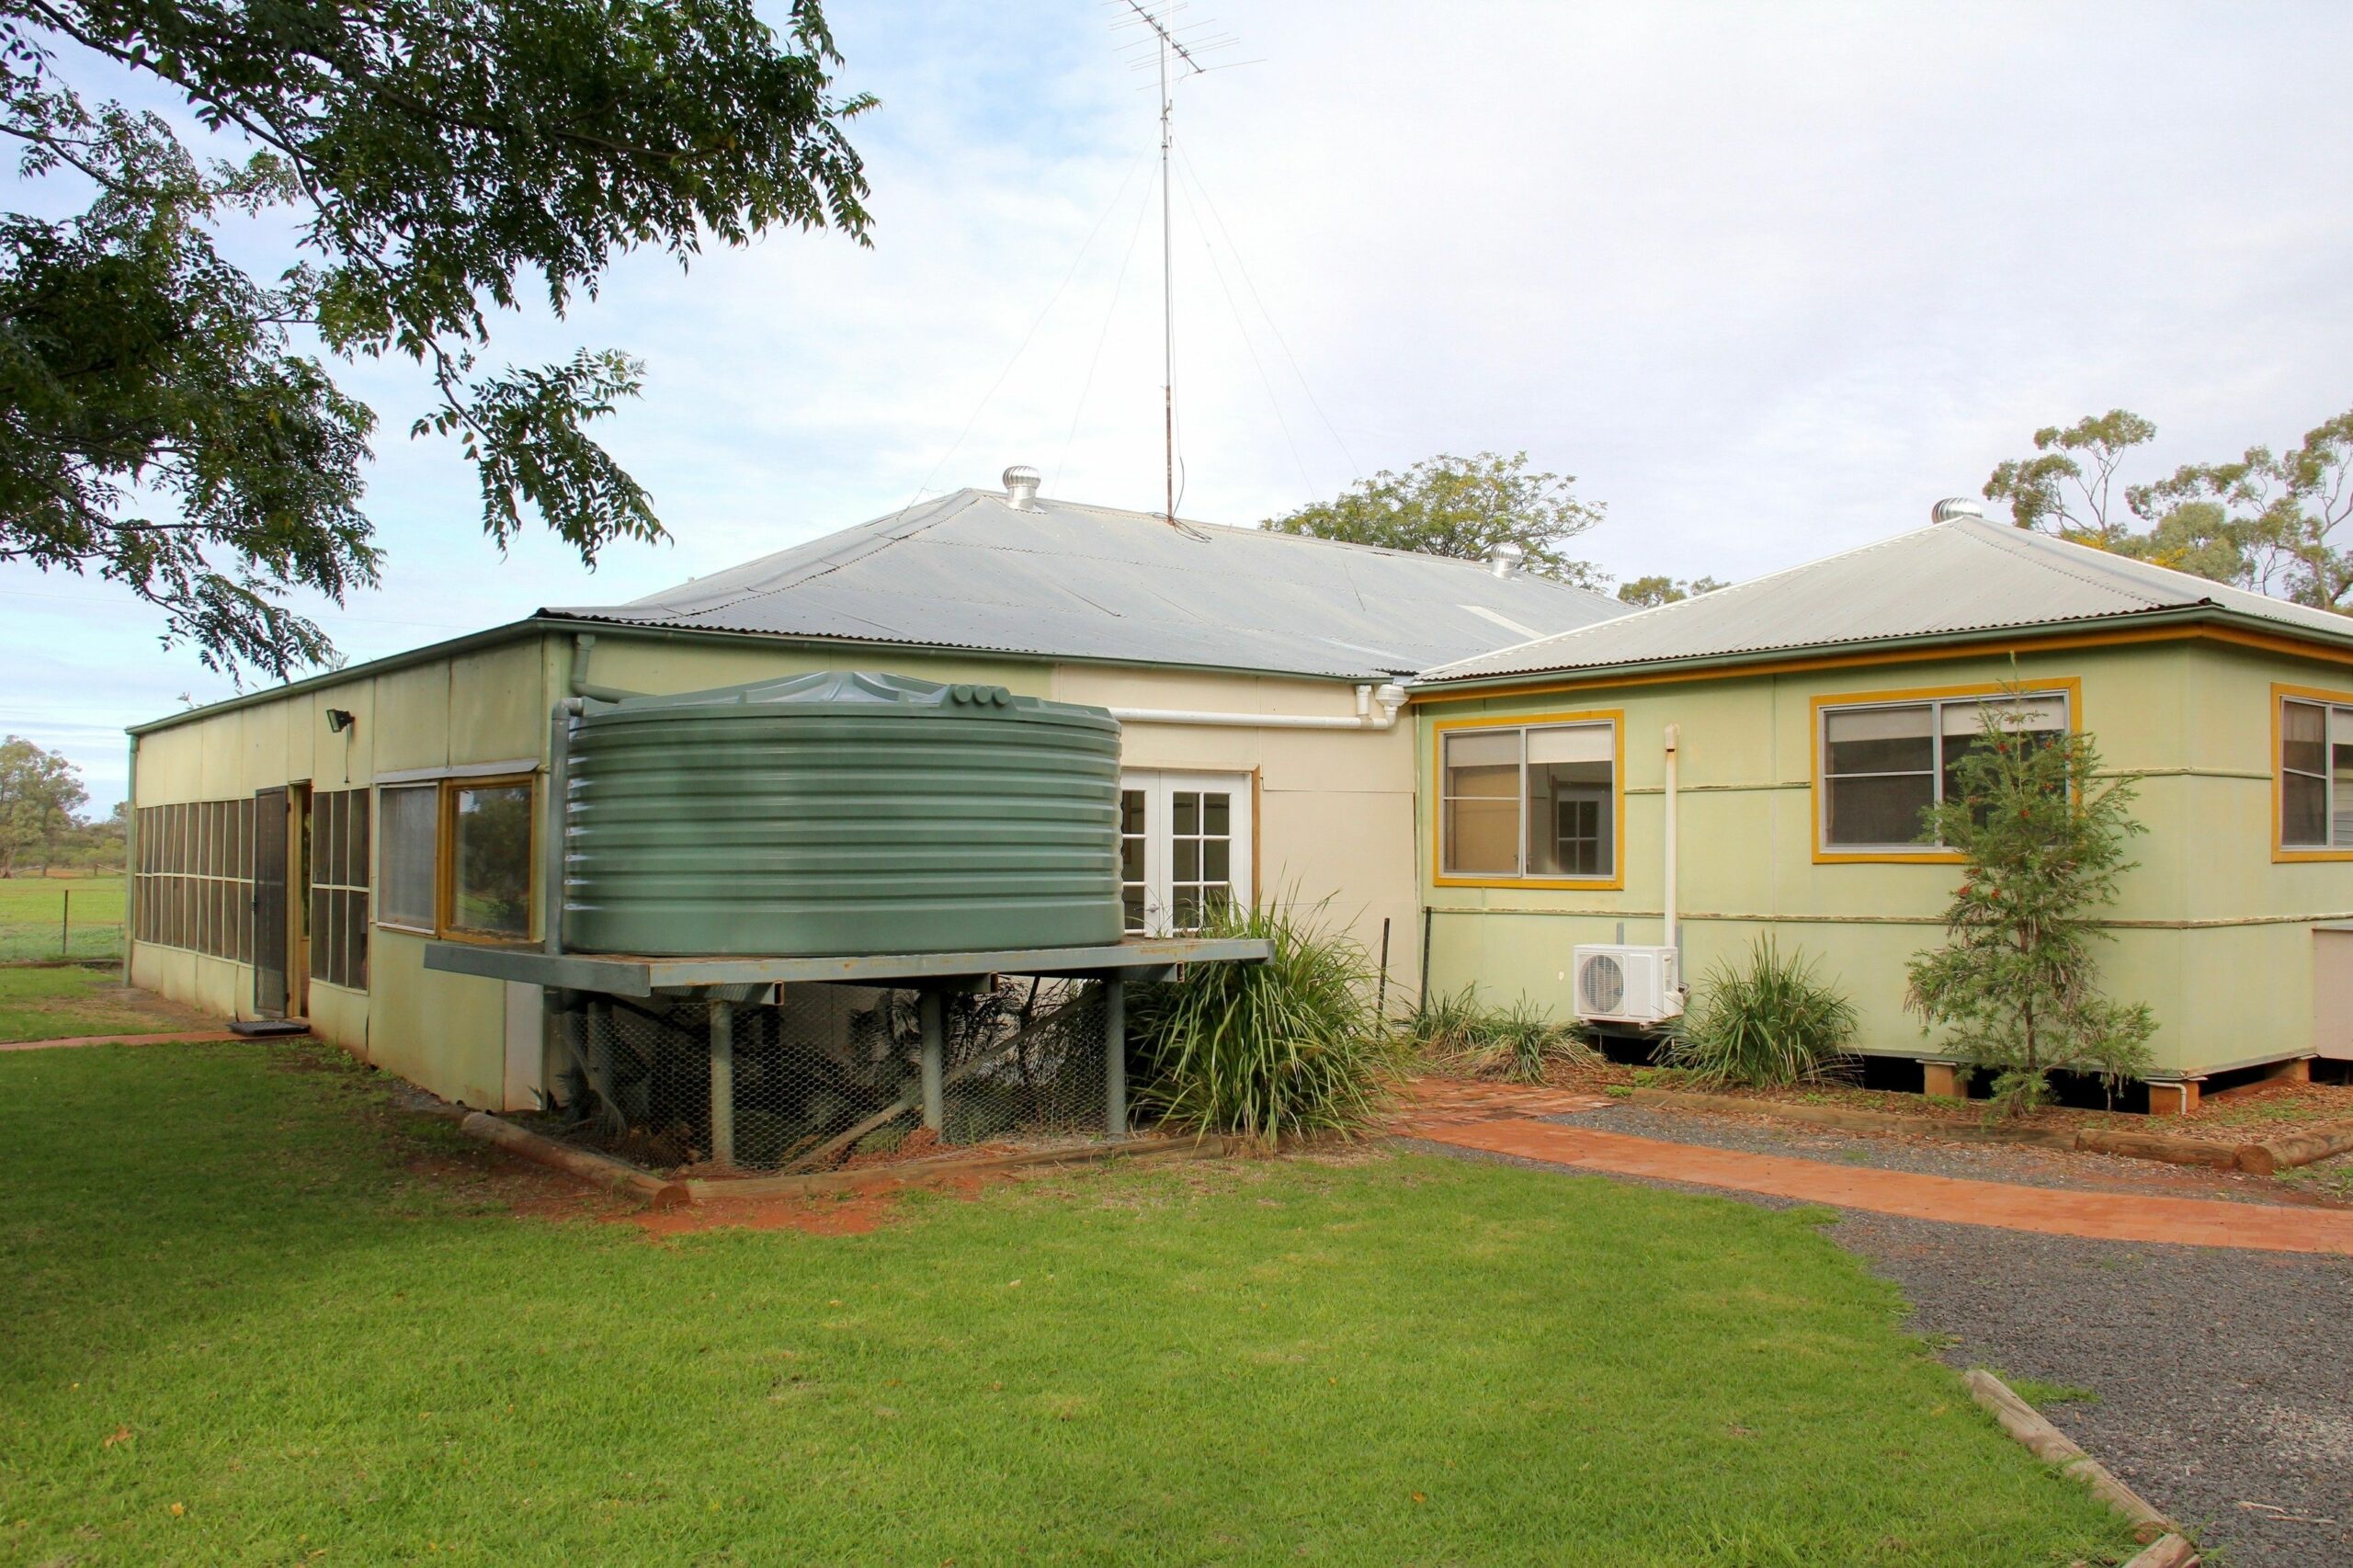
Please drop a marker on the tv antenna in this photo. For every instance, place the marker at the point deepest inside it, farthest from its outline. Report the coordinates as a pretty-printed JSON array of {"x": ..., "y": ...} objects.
[{"x": 1165, "y": 43}]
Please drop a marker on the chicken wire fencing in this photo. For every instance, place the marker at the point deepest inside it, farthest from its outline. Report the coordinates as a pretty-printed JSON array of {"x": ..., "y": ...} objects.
[{"x": 833, "y": 1076}]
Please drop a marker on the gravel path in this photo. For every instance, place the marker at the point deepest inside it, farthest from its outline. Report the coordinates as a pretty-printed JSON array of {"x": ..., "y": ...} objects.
[
  {"x": 2025, "y": 1166},
  {"x": 2223, "y": 1379}
]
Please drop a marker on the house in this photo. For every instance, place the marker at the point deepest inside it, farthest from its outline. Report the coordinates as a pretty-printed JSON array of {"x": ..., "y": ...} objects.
[
  {"x": 1818, "y": 710},
  {"x": 295, "y": 850}
]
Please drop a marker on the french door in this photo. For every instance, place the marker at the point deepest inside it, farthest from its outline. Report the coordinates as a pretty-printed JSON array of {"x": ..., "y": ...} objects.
[{"x": 1184, "y": 849}]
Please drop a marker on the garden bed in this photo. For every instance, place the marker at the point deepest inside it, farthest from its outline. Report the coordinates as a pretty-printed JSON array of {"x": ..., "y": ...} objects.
[{"x": 2255, "y": 1113}]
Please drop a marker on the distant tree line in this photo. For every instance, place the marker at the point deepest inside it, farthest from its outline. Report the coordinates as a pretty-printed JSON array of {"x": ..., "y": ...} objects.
[
  {"x": 41, "y": 822},
  {"x": 2272, "y": 520}
]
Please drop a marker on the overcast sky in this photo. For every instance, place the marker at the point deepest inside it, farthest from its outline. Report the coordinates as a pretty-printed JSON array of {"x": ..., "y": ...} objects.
[{"x": 1767, "y": 280}]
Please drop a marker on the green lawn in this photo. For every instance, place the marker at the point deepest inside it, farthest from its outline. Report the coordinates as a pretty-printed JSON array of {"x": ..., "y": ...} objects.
[
  {"x": 58, "y": 1002},
  {"x": 239, "y": 1331},
  {"x": 30, "y": 907}
]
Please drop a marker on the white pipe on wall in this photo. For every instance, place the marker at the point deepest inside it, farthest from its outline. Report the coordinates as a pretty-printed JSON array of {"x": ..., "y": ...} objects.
[
  {"x": 1673, "y": 745},
  {"x": 1391, "y": 697}
]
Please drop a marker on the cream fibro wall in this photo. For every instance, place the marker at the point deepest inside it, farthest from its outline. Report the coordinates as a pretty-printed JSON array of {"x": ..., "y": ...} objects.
[
  {"x": 1333, "y": 809},
  {"x": 485, "y": 707},
  {"x": 2211, "y": 930}
]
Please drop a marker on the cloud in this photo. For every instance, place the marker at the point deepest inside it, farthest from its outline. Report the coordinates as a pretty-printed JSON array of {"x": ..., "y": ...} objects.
[{"x": 1768, "y": 280}]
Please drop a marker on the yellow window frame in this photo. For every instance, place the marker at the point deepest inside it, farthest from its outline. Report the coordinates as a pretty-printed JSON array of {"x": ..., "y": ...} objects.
[
  {"x": 445, "y": 868},
  {"x": 1817, "y": 789},
  {"x": 2281, "y": 694},
  {"x": 1615, "y": 718}
]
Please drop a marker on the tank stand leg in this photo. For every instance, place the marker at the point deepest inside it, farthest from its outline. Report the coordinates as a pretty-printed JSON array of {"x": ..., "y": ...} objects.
[
  {"x": 722, "y": 1083},
  {"x": 931, "y": 1011},
  {"x": 1115, "y": 1056}
]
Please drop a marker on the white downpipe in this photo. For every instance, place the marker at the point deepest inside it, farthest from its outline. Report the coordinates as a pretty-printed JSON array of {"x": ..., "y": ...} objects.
[
  {"x": 1391, "y": 697},
  {"x": 1673, "y": 745}
]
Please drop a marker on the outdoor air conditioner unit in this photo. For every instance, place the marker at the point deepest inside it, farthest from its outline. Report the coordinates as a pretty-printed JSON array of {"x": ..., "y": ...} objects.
[{"x": 1619, "y": 984}]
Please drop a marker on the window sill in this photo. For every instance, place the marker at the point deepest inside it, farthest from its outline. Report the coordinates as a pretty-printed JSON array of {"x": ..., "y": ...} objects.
[
  {"x": 2281, "y": 856},
  {"x": 1889, "y": 857},
  {"x": 1588, "y": 884}
]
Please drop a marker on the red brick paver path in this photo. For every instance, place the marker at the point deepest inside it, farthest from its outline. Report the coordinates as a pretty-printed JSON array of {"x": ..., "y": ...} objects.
[
  {"x": 191, "y": 1037},
  {"x": 2123, "y": 1217},
  {"x": 1457, "y": 1102}
]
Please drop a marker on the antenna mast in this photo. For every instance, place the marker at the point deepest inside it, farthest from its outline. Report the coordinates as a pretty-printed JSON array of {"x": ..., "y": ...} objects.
[{"x": 1165, "y": 43}]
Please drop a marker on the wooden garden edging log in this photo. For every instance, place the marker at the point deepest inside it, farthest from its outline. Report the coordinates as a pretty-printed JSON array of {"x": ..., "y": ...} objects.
[
  {"x": 2165, "y": 1551},
  {"x": 916, "y": 1173},
  {"x": 2047, "y": 1443},
  {"x": 2256, "y": 1159},
  {"x": 1857, "y": 1120},
  {"x": 2300, "y": 1149},
  {"x": 602, "y": 1170}
]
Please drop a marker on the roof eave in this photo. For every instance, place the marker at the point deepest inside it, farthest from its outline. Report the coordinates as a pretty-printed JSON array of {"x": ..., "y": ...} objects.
[
  {"x": 1595, "y": 674},
  {"x": 448, "y": 648}
]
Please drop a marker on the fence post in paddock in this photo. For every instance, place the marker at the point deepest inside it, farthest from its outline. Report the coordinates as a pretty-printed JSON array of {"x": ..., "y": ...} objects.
[
  {"x": 931, "y": 1011},
  {"x": 1115, "y": 1054},
  {"x": 722, "y": 1082}
]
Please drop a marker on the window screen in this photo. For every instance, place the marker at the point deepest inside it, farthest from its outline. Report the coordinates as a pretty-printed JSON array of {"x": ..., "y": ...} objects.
[
  {"x": 196, "y": 878},
  {"x": 1884, "y": 765},
  {"x": 1479, "y": 802},
  {"x": 339, "y": 888},
  {"x": 490, "y": 854},
  {"x": 410, "y": 821}
]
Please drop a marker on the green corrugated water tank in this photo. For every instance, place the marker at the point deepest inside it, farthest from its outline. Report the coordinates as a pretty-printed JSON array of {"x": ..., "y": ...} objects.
[{"x": 838, "y": 814}]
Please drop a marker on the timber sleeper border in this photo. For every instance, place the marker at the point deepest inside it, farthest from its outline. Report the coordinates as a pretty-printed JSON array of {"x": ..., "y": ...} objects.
[
  {"x": 2255, "y": 1159},
  {"x": 2164, "y": 1547},
  {"x": 662, "y": 1192}
]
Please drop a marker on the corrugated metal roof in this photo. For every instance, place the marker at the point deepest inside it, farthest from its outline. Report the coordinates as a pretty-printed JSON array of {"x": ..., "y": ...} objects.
[
  {"x": 1948, "y": 578},
  {"x": 970, "y": 571}
]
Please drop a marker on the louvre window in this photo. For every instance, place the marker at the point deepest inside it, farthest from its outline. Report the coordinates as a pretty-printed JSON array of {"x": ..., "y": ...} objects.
[
  {"x": 1884, "y": 765},
  {"x": 339, "y": 888},
  {"x": 1535, "y": 801},
  {"x": 196, "y": 878}
]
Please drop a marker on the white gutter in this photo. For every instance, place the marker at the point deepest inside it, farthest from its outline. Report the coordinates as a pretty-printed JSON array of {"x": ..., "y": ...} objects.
[{"x": 1391, "y": 695}]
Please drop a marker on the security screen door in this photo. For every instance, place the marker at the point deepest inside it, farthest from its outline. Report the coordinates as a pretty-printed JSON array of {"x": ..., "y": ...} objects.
[{"x": 1184, "y": 849}]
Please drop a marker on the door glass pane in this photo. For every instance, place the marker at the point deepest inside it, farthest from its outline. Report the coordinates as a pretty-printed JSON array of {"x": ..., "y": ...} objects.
[
  {"x": 1217, "y": 814},
  {"x": 1217, "y": 860},
  {"x": 1186, "y": 864},
  {"x": 410, "y": 822},
  {"x": 490, "y": 889},
  {"x": 1185, "y": 812}
]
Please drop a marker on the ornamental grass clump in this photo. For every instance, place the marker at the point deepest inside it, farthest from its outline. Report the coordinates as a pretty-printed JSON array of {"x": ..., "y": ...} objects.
[
  {"x": 1765, "y": 1024},
  {"x": 1518, "y": 1042},
  {"x": 2042, "y": 833},
  {"x": 1265, "y": 1051}
]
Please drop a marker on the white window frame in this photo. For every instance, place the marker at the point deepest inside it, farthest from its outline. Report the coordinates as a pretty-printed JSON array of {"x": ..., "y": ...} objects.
[
  {"x": 1935, "y": 706},
  {"x": 1160, "y": 787}
]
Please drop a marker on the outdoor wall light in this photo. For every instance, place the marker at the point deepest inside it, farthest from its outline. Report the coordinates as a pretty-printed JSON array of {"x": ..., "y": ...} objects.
[{"x": 340, "y": 720}]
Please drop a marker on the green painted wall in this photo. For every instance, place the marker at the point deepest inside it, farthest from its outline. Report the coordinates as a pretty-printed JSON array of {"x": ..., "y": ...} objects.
[{"x": 2201, "y": 933}]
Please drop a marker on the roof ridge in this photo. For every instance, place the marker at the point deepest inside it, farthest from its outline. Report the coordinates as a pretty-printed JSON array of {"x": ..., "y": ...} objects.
[
  {"x": 1728, "y": 590},
  {"x": 2026, "y": 544}
]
